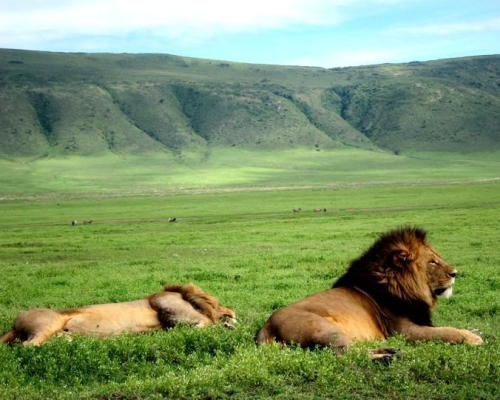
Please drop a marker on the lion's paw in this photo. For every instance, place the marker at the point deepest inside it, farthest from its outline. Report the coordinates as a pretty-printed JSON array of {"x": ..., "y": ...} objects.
[
  {"x": 383, "y": 355},
  {"x": 228, "y": 325},
  {"x": 471, "y": 338}
]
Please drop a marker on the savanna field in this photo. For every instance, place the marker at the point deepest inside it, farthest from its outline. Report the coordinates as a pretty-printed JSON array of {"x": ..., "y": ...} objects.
[{"x": 241, "y": 242}]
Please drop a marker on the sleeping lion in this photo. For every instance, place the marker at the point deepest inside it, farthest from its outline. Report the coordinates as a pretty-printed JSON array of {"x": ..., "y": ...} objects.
[
  {"x": 390, "y": 289},
  {"x": 163, "y": 310}
]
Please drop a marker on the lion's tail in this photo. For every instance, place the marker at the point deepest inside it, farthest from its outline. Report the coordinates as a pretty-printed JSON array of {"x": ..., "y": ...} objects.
[
  {"x": 9, "y": 337},
  {"x": 200, "y": 300}
]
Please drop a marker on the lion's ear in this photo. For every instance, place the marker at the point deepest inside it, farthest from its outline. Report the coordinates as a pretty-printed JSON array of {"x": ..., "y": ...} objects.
[{"x": 401, "y": 258}]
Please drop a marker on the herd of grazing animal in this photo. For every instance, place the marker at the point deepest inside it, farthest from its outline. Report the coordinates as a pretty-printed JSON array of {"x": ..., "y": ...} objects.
[
  {"x": 85, "y": 222},
  {"x": 297, "y": 210},
  {"x": 89, "y": 221},
  {"x": 390, "y": 289},
  {"x": 174, "y": 219}
]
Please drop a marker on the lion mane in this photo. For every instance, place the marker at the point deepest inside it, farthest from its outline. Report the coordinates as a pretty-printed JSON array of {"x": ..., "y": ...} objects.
[
  {"x": 175, "y": 304},
  {"x": 390, "y": 289}
]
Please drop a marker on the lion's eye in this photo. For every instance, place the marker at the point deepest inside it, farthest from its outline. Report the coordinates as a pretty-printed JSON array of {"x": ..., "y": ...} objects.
[{"x": 434, "y": 262}]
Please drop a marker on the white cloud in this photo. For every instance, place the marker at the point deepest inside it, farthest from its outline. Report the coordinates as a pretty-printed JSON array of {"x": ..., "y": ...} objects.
[
  {"x": 348, "y": 58},
  {"x": 173, "y": 18},
  {"x": 486, "y": 25},
  {"x": 344, "y": 32},
  {"x": 31, "y": 21}
]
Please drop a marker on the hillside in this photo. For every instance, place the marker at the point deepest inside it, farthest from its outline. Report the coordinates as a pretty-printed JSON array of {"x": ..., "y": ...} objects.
[{"x": 94, "y": 104}]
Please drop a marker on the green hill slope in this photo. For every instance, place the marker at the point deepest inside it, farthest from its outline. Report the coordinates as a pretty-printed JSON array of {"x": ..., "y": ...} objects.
[{"x": 93, "y": 104}]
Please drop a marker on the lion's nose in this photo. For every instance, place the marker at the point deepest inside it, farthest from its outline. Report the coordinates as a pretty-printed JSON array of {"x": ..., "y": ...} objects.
[{"x": 452, "y": 274}]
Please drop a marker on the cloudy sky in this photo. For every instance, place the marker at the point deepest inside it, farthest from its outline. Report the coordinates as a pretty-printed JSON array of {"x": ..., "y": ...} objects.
[{"x": 326, "y": 33}]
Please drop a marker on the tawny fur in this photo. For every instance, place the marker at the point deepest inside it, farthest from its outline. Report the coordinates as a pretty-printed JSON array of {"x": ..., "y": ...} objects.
[
  {"x": 175, "y": 304},
  {"x": 390, "y": 289},
  {"x": 200, "y": 300}
]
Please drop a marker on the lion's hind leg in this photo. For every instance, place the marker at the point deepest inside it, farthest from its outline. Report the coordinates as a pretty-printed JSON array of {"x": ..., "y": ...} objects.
[
  {"x": 291, "y": 325},
  {"x": 37, "y": 325}
]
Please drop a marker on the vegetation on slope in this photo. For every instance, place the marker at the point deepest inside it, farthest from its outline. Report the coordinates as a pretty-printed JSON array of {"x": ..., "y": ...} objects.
[{"x": 91, "y": 104}]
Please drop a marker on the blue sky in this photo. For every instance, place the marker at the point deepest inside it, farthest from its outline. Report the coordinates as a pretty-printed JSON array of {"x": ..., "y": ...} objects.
[{"x": 325, "y": 33}]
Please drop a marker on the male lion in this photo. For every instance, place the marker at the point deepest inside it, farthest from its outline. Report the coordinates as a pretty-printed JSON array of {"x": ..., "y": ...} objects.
[
  {"x": 390, "y": 289},
  {"x": 163, "y": 310}
]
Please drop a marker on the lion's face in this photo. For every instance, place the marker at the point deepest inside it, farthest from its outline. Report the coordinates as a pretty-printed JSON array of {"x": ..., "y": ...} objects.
[
  {"x": 401, "y": 265},
  {"x": 440, "y": 274}
]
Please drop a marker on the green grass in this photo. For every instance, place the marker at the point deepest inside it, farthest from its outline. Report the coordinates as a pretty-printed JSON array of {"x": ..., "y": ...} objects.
[
  {"x": 237, "y": 169},
  {"x": 250, "y": 251}
]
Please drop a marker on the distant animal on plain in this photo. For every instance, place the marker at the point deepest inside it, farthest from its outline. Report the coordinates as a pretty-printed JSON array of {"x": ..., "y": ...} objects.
[
  {"x": 390, "y": 289},
  {"x": 175, "y": 304},
  {"x": 74, "y": 222},
  {"x": 296, "y": 210},
  {"x": 172, "y": 219},
  {"x": 87, "y": 221}
]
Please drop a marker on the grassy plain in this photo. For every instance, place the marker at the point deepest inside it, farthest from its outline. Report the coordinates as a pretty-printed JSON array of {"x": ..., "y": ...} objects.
[
  {"x": 226, "y": 169},
  {"x": 249, "y": 250}
]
